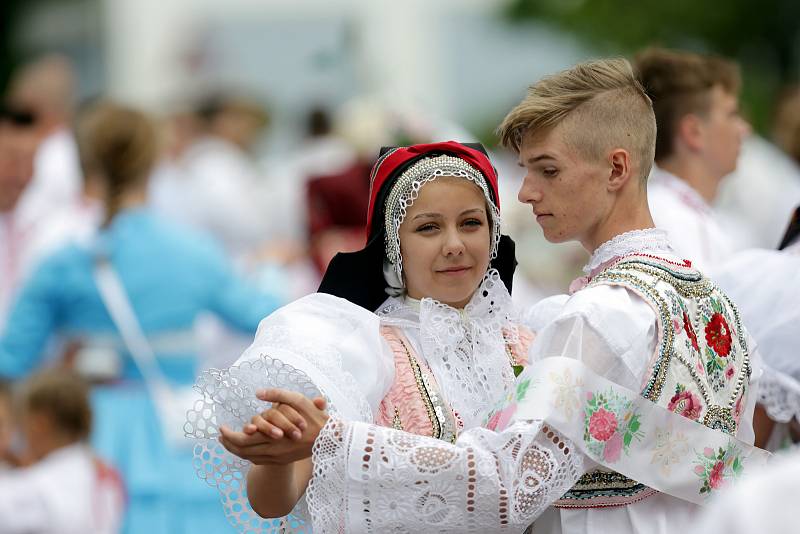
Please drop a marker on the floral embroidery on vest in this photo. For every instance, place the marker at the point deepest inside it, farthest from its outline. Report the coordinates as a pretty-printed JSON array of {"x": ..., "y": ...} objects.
[{"x": 700, "y": 370}]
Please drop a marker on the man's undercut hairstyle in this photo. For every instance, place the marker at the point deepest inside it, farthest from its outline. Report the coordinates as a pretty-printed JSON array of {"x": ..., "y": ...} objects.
[
  {"x": 601, "y": 106},
  {"x": 679, "y": 84}
]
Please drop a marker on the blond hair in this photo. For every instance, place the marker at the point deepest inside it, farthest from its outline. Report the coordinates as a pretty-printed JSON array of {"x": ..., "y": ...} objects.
[
  {"x": 61, "y": 395},
  {"x": 601, "y": 105},
  {"x": 680, "y": 83},
  {"x": 119, "y": 144}
]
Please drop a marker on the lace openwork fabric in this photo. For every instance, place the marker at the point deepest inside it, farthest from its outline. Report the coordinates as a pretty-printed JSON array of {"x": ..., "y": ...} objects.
[
  {"x": 647, "y": 241},
  {"x": 487, "y": 482},
  {"x": 318, "y": 346},
  {"x": 466, "y": 349},
  {"x": 406, "y": 191}
]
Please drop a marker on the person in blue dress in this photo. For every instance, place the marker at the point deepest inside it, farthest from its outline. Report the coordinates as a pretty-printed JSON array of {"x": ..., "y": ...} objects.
[{"x": 171, "y": 276}]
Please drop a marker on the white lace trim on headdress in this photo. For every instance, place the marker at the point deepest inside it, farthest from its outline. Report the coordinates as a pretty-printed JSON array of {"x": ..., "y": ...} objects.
[
  {"x": 650, "y": 240},
  {"x": 406, "y": 190},
  {"x": 464, "y": 348}
]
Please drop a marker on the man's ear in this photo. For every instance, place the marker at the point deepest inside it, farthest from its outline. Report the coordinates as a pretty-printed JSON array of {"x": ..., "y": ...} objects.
[
  {"x": 620, "y": 163},
  {"x": 690, "y": 131}
]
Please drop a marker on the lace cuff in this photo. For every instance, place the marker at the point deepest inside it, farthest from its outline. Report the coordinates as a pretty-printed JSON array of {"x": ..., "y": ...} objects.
[
  {"x": 375, "y": 479},
  {"x": 229, "y": 399},
  {"x": 779, "y": 394}
]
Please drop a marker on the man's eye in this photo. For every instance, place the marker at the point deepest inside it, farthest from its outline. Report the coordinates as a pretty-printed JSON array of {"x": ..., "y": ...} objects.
[{"x": 550, "y": 172}]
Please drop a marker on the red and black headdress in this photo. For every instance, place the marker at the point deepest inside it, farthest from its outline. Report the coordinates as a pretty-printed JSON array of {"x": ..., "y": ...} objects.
[{"x": 365, "y": 277}]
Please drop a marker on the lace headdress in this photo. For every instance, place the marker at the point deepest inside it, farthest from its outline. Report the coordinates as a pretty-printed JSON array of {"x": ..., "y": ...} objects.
[{"x": 395, "y": 181}]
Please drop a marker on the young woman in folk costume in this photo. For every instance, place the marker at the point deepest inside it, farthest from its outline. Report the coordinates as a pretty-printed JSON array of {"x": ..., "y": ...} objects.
[{"x": 433, "y": 358}]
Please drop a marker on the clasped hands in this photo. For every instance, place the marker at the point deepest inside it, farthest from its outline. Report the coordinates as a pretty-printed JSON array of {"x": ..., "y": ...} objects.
[{"x": 281, "y": 435}]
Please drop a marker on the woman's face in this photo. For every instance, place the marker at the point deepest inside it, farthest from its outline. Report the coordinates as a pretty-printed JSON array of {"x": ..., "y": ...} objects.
[{"x": 445, "y": 241}]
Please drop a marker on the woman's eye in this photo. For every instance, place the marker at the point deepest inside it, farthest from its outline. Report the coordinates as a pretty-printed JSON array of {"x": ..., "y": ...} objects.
[
  {"x": 550, "y": 172},
  {"x": 426, "y": 227},
  {"x": 473, "y": 223}
]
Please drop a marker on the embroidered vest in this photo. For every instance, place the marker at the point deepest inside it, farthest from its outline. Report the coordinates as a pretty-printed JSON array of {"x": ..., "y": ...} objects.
[
  {"x": 700, "y": 369},
  {"x": 415, "y": 403}
]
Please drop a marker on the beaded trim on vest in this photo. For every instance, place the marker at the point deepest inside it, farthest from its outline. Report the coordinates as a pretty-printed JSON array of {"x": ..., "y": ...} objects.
[{"x": 700, "y": 369}]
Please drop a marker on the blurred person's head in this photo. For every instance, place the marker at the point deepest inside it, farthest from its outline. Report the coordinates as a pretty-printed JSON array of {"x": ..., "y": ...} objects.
[
  {"x": 18, "y": 142},
  {"x": 54, "y": 411},
  {"x": 586, "y": 138},
  {"x": 46, "y": 87},
  {"x": 696, "y": 102},
  {"x": 6, "y": 419},
  {"x": 118, "y": 149},
  {"x": 237, "y": 119},
  {"x": 318, "y": 122},
  {"x": 786, "y": 130}
]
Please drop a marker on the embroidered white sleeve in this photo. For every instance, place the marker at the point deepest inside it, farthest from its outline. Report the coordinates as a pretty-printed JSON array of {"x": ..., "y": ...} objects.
[
  {"x": 316, "y": 346},
  {"x": 375, "y": 479}
]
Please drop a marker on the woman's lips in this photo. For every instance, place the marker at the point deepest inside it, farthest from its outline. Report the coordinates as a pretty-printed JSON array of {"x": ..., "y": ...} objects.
[{"x": 454, "y": 271}]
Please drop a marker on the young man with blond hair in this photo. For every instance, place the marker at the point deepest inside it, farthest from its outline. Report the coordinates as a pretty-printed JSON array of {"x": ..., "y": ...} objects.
[
  {"x": 601, "y": 434},
  {"x": 700, "y": 133}
]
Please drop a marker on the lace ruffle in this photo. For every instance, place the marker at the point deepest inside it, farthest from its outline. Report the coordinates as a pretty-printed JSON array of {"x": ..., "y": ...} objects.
[
  {"x": 779, "y": 394},
  {"x": 406, "y": 483},
  {"x": 646, "y": 240},
  {"x": 229, "y": 399},
  {"x": 466, "y": 350}
]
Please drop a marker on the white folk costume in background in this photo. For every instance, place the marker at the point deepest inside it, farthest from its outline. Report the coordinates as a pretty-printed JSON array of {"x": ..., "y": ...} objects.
[
  {"x": 766, "y": 286},
  {"x": 68, "y": 492},
  {"x": 416, "y": 365},
  {"x": 691, "y": 224},
  {"x": 644, "y": 350}
]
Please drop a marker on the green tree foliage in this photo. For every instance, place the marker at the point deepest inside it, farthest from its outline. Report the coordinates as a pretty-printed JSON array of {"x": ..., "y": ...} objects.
[{"x": 762, "y": 35}]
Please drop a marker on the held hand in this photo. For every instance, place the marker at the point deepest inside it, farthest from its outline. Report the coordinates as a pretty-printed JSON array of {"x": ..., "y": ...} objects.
[
  {"x": 263, "y": 449},
  {"x": 279, "y": 421}
]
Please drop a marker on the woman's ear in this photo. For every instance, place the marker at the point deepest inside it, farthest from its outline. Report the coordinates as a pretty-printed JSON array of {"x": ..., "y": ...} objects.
[{"x": 620, "y": 164}]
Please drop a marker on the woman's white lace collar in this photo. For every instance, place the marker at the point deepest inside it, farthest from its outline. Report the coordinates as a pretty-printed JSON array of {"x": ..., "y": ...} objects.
[{"x": 649, "y": 240}]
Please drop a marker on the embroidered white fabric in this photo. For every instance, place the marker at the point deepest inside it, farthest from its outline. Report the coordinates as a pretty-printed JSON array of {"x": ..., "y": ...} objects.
[
  {"x": 406, "y": 190},
  {"x": 318, "y": 345},
  {"x": 647, "y": 241},
  {"x": 465, "y": 349},
  {"x": 487, "y": 482}
]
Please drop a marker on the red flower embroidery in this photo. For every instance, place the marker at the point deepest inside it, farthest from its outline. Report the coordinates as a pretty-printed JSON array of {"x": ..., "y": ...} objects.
[
  {"x": 715, "y": 477},
  {"x": 718, "y": 335},
  {"x": 685, "y": 403},
  {"x": 602, "y": 424},
  {"x": 690, "y": 331}
]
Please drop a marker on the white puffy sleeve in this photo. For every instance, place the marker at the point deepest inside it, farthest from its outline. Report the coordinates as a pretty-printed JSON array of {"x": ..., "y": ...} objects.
[{"x": 317, "y": 345}]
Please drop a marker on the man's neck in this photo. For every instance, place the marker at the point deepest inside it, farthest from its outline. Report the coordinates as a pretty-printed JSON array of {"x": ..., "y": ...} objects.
[
  {"x": 695, "y": 174},
  {"x": 622, "y": 219}
]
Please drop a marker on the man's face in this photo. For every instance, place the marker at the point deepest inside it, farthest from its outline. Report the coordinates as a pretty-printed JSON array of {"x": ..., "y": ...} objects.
[
  {"x": 723, "y": 130},
  {"x": 17, "y": 150},
  {"x": 566, "y": 191}
]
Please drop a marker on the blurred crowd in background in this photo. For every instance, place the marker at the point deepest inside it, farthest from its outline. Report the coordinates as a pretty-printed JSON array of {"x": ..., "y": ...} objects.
[{"x": 220, "y": 152}]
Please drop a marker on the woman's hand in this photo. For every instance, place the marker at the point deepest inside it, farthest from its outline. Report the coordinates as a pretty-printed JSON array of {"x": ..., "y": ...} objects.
[{"x": 289, "y": 409}]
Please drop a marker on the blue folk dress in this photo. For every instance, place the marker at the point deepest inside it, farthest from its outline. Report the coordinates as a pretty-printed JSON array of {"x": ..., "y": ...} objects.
[{"x": 171, "y": 276}]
